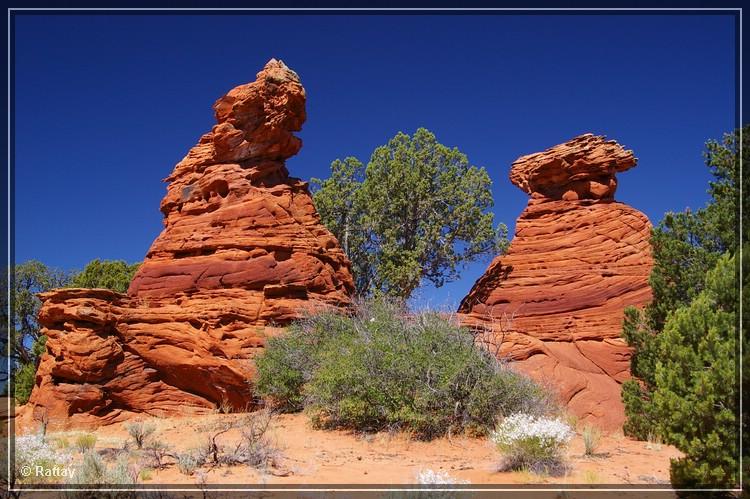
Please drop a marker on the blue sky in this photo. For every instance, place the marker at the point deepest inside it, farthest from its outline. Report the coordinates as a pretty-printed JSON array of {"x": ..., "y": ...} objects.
[{"x": 106, "y": 105}]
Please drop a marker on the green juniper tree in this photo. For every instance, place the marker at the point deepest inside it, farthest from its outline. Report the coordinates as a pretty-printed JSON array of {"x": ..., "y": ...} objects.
[
  {"x": 416, "y": 213},
  {"x": 339, "y": 202},
  {"x": 694, "y": 393},
  {"x": 109, "y": 274},
  {"x": 684, "y": 358},
  {"x": 25, "y": 342}
]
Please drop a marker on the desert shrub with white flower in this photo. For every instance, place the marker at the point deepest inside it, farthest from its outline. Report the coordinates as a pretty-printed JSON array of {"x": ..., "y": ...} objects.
[
  {"x": 433, "y": 480},
  {"x": 532, "y": 443},
  {"x": 34, "y": 453},
  {"x": 431, "y": 477}
]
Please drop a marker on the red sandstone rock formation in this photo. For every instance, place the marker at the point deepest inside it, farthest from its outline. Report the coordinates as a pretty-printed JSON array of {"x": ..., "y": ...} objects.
[
  {"x": 242, "y": 249},
  {"x": 578, "y": 258}
]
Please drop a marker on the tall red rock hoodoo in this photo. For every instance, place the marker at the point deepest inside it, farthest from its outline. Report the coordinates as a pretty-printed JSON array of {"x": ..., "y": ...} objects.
[
  {"x": 242, "y": 250},
  {"x": 578, "y": 258}
]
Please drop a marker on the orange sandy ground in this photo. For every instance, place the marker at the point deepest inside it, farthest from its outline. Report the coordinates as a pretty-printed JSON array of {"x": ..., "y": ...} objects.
[{"x": 310, "y": 456}]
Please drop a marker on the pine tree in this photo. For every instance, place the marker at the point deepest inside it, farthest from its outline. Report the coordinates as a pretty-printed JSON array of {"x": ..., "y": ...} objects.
[
  {"x": 685, "y": 387},
  {"x": 417, "y": 213}
]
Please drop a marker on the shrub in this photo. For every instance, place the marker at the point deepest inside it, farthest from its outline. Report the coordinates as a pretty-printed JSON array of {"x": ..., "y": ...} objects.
[
  {"x": 641, "y": 415},
  {"x": 157, "y": 451},
  {"x": 686, "y": 388},
  {"x": 695, "y": 391},
  {"x": 187, "y": 463},
  {"x": 85, "y": 442},
  {"x": 23, "y": 382},
  {"x": 255, "y": 447},
  {"x": 591, "y": 438},
  {"x": 591, "y": 477},
  {"x": 533, "y": 443},
  {"x": 380, "y": 369},
  {"x": 93, "y": 471},
  {"x": 288, "y": 362},
  {"x": 61, "y": 442},
  {"x": 225, "y": 406},
  {"x": 140, "y": 432},
  {"x": 691, "y": 401},
  {"x": 122, "y": 472},
  {"x": 430, "y": 477},
  {"x": 32, "y": 451}
]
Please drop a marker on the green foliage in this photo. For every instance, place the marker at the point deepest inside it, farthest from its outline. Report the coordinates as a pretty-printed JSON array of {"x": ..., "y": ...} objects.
[
  {"x": 745, "y": 356},
  {"x": 680, "y": 263},
  {"x": 288, "y": 361},
  {"x": 24, "y": 343},
  {"x": 723, "y": 159},
  {"x": 636, "y": 392},
  {"x": 85, "y": 442},
  {"x": 24, "y": 382},
  {"x": 417, "y": 212},
  {"x": 109, "y": 274},
  {"x": 146, "y": 474},
  {"x": 641, "y": 418},
  {"x": 640, "y": 336},
  {"x": 30, "y": 278},
  {"x": 687, "y": 245},
  {"x": 379, "y": 369},
  {"x": 5, "y": 329},
  {"x": 342, "y": 208},
  {"x": 694, "y": 396},
  {"x": 685, "y": 341}
]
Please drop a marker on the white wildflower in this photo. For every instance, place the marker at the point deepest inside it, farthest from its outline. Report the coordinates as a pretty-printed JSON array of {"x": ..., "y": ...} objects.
[
  {"x": 430, "y": 477},
  {"x": 520, "y": 427},
  {"x": 33, "y": 450},
  {"x": 532, "y": 443}
]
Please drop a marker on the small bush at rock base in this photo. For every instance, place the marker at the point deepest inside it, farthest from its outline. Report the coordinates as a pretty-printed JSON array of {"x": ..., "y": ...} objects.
[
  {"x": 532, "y": 443},
  {"x": 380, "y": 368}
]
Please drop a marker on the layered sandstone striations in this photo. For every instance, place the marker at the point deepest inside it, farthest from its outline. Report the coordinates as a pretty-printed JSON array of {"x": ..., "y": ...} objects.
[
  {"x": 242, "y": 250},
  {"x": 555, "y": 301}
]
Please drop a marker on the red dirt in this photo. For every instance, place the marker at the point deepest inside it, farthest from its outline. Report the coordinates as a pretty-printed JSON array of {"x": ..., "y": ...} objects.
[{"x": 310, "y": 456}]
